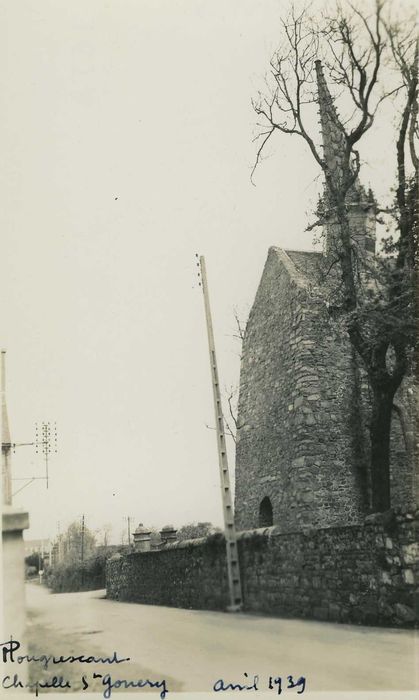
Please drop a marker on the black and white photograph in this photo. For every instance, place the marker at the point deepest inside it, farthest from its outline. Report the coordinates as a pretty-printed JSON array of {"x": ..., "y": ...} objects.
[{"x": 209, "y": 348}]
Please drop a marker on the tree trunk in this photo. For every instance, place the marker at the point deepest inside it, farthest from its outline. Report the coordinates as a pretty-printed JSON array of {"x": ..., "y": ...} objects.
[{"x": 380, "y": 448}]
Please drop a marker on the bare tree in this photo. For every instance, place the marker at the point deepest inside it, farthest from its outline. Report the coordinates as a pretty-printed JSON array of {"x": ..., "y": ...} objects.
[
  {"x": 379, "y": 319},
  {"x": 240, "y": 326},
  {"x": 231, "y": 393},
  {"x": 103, "y": 534},
  {"x": 231, "y": 422}
]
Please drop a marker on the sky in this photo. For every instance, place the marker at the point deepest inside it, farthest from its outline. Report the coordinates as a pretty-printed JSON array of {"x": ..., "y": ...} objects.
[{"x": 127, "y": 147}]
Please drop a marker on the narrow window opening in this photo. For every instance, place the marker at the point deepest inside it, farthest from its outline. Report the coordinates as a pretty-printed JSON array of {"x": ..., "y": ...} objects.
[{"x": 265, "y": 513}]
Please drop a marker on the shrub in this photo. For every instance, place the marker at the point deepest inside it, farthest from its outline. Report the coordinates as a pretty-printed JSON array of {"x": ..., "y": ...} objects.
[{"x": 70, "y": 577}]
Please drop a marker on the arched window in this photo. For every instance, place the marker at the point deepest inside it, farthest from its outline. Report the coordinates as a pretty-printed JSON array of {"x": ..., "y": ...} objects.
[{"x": 265, "y": 513}]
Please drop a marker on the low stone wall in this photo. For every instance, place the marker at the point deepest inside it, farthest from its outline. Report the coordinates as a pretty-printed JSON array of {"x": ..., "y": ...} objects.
[
  {"x": 367, "y": 574},
  {"x": 188, "y": 574},
  {"x": 364, "y": 574}
]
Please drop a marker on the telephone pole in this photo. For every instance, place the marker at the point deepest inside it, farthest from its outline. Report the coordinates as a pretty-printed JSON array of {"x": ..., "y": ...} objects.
[
  {"x": 60, "y": 543},
  {"x": 82, "y": 539},
  {"x": 233, "y": 570},
  {"x": 82, "y": 549},
  {"x": 5, "y": 437},
  {"x": 128, "y": 519},
  {"x": 45, "y": 441}
]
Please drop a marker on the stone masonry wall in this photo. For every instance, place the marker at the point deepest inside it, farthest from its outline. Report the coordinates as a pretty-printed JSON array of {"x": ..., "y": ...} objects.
[
  {"x": 188, "y": 574},
  {"x": 298, "y": 407},
  {"x": 360, "y": 574},
  {"x": 365, "y": 574},
  {"x": 404, "y": 453},
  {"x": 304, "y": 408}
]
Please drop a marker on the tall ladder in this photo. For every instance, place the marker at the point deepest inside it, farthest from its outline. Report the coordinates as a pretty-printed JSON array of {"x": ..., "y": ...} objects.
[{"x": 233, "y": 570}]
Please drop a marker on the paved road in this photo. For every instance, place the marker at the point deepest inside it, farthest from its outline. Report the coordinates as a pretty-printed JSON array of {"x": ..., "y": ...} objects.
[{"x": 192, "y": 649}]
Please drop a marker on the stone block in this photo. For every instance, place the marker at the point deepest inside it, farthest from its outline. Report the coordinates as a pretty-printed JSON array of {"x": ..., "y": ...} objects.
[
  {"x": 404, "y": 613},
  {"x": 409, "y": 577},
  {"x": 298, "y": 462},
  {"x": 410, "y": 553},
  {"x": 321, "y": 613},
  {"x": 334, "y": 612}
]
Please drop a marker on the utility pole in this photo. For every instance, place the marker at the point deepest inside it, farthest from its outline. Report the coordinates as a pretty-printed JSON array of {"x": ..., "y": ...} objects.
[
  {"x": 82, "y": 549},
  {"x": 41, "y": 562},
  {"x": 82, "y": 539},
  {"x": 233, "y": 570},
  {"x": 128, "y": 519},
  {"x": 3, "y": 465},
  {"x": 60, "y": 543},
  {"x": 5, "y": 437},
  {"x": 47, "y": 442}
]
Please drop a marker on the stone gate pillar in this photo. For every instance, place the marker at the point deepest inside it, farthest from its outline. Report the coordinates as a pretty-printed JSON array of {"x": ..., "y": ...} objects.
[{"x": 14, "y": 521}]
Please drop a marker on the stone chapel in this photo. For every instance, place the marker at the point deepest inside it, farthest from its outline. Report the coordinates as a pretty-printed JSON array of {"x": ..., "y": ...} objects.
[{"x": 302, "y": 453}]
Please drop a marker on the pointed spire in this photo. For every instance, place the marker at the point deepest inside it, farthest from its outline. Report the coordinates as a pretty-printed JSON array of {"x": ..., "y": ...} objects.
[
  {"x": 334, "y": 147},
  {"x": 334, "y": 137}
]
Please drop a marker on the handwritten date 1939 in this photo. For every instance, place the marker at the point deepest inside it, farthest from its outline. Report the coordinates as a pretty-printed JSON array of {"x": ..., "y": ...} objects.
[{"x": 277, "y": 683}]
